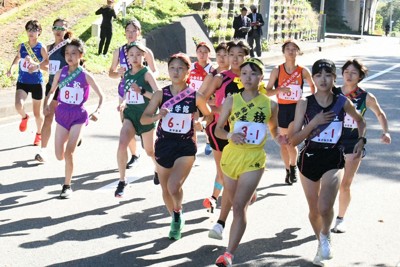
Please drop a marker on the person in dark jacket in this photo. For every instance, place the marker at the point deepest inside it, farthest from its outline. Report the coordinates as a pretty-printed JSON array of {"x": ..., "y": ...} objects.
[
  {"x": 256, "y": 22},
  {"x": 108, "y": 13},
  {"x": 241, "y": 24}
]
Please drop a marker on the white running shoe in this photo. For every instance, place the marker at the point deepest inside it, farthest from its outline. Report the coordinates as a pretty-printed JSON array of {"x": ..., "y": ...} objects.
[
  {"x": 65, "y": 192},
  {"x": 340, "y": 226},
  {"x": 325, "y": 250},
  {"x": 216, "y": 232},
  {"x": 317, "y": 259}
]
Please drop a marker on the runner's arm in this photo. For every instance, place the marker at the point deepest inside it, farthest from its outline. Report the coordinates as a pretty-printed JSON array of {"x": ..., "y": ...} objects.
[
  {"x": 149, "y": 115},
  {"x": 149, "y": 78},
  {"x": 307, "y": 76},
  {"x": 149, "y": 57},
  {"x": 220, "y": 132},
  {"x": 273, "y": 121},
  {"x": 97, "y": 89},
  {"x": 50, "y": 95},
  {"x": 372, "y": 103},
  {"x": 201, "y": 103},
  {"x": 113, "y": 73},
  {"x": 271, "y": 82},
  {"x": 296, "y": 132},
  {"x": 44, "y": 65},
  {"x": 15, "y": 61},
  {"x": 210, "y": 87}
]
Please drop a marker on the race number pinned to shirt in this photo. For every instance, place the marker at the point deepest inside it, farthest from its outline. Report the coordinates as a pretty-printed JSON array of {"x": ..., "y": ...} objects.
[
  {"x": 196, "y": 82},
  {"x": 133, "y": 98},
  {"x": 72, "y": 95},
  {"x": 178, "y": 123},
  {"x": 254, "y": 131},
  {"x": 349, "y": 122},
  {"x": 54, "y": 66},
  {"x": 294, "y": 94},
  {"x": 330, "y": 134},
  {"x": 24, "y": 65}
]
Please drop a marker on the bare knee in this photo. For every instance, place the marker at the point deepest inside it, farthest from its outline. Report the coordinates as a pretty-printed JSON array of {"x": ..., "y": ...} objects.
[
  {"x": 238, "y": 209},
  {"x": 313, "y": 215}
]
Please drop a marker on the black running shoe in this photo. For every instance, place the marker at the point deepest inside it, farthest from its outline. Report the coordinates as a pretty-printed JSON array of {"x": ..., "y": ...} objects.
[
  {"x": 133, "y": 160},
  {"x": 293, "y": 174},
  {"x": 287, "y": 178},
  {"x": 155, "y": 178},
  {"x": 120, "y": 189}
]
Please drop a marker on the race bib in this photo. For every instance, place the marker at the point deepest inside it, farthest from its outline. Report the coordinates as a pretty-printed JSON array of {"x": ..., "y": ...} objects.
[
  {"x": 195, "y": 84},
  {"x": 177, "y": 123},
  {"x": 54, "y": 66},
  {"x": 331, "y": 134},
  {"x": 133, "y": 98},
  {"x": 24, "y": 65},
  {"x": 349, "y": 122},
  {"x": 294, "y": 94},
  {"x": 254, "y": 131},
  {"x": 71, "y": 95}
]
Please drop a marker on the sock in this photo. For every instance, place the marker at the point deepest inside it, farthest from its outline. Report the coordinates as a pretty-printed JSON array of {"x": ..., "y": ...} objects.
[
  {"x": 221, "y": 223},
  {"x": 214, "y": 198},
  {"x": 340, "y": 218},
  {"x": 177, "y": 215}
]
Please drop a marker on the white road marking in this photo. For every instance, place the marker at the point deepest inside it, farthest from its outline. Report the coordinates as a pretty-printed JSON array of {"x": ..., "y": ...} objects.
[{"x": 380, "y": 73}]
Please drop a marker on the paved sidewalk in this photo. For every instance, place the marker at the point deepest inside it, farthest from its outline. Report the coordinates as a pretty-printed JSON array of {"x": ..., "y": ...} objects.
[{"x": 273, "y": 56}]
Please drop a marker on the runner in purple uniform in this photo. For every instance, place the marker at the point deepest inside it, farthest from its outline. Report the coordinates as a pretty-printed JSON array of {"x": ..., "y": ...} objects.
[{"x": 74, "y": 83}]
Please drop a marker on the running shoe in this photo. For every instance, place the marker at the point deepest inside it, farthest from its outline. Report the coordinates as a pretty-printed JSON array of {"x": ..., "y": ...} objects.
[
  {"x": 325, "y": 250},
  {"x": 156, "y": 181},
  {"x": 293, "y": 174},
  {"x": 41, "y": 156},
  {"x": 317, "y": 259},
  {"x": 134, "y": 159},
  {"x": 216, "y": 232},
  {"x": 225, "y": 260},
  {"x": 210, "y": 204},
  {"x": 24, "y": 123},
  {"x": 340, "y": 226},
  {"x": 38, "y": 138},
  {"x": 176, "y": 228},
  {"x": 287, "y": 178},
  {"x": 119, "y": 192},
  {"x": 207, "y": 149},
  {"x": 65, "y": 192}
]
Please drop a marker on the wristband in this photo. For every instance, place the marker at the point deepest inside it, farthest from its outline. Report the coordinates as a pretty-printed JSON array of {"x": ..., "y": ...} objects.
[{"x": 363, "y": 139}]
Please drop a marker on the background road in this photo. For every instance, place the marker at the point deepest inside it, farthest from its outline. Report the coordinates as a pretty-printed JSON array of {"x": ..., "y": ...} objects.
[{"x": 94, "y": 228}]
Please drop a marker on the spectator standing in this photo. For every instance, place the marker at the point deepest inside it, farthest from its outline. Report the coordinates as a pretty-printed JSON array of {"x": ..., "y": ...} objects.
[
  {"x": 108, "y": 12},
  {"x": 255, "y": 33},
  {"x": 241, "y": 24}
]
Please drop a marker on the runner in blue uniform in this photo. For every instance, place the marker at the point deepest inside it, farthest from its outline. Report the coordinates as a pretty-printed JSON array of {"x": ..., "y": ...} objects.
[{"x": 31, "y": 57}]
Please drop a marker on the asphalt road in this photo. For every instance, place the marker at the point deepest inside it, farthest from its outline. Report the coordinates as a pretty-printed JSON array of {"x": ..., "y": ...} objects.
[{"x": 95, "y": 229}]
